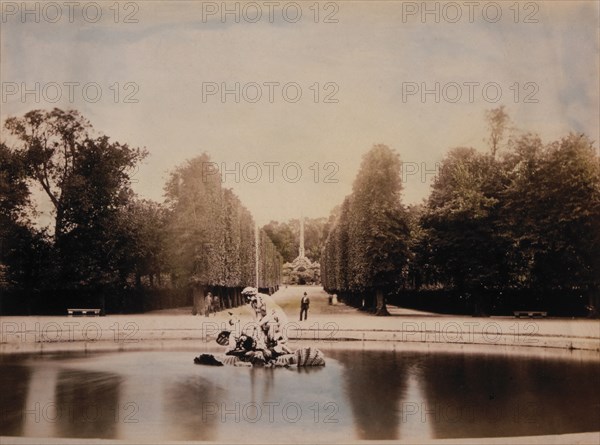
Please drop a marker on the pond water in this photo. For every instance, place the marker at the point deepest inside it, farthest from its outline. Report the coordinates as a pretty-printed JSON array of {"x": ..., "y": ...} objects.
[{"x": 359, "y": 394}]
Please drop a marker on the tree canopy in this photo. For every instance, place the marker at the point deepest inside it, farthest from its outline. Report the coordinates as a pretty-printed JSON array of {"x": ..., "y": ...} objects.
[
  {"x": 523, "y": 218},
  {"x": 520, "y": 215},
  {"x": 368, "y": 246},
  {"x": 103, "y": 234}
]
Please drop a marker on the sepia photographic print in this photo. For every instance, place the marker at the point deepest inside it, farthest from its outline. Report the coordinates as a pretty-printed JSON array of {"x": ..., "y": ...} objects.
[{"x": 299, "y": 222}]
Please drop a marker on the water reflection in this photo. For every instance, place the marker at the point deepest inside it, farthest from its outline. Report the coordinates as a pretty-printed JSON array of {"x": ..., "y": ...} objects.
[
  {"x": 87, "y": 404},
  {"x": 412, "y": 423},
  {"x": 185, "y": 421},
  {"x": 40, "y": 413},
  {"x": 360, "y": 394},
  {"x": 13, "y": 387},
  {"x": 461, "y": 395},
  {"x": 373, "y": 391},
  {"x": 260, "y": 404},
  {"x": 505, "y": 396}
]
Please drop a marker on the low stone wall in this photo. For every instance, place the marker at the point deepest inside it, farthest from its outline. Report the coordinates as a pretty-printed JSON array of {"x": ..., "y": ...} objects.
[{"x": 23, "y": 334}]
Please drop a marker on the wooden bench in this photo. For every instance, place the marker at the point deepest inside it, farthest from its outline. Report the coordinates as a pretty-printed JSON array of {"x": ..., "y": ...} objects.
[
  {"x": 530, "y": 314},
  {"x": 77, "y": 311}
]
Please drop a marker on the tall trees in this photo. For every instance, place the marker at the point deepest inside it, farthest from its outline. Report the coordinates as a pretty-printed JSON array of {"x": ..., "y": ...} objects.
[
  {"x": 211, "y": 236},
  {"x": 378, "y": 229},
  {"x": 528, "y": 220},
  {"x": 92, "y": 199},
  {"x": 285, "y": 237},
  {"x": 522, "y": 218},
  {"x": 465, "y": 246},
  {"x": 14, "y": 192},
  {"x": 461, "y": 222},
  {"x": 371, "y": 236},
  {"x": 521, "y": 221},
  {"x": 498, "y": 122},
  {"x": 22, "y": 248},
  {"x": 141, "y": 229},
  {"x": 86, "y": 179},
  {"x": 103, "y": 235},
  {"x": 315, "y": 234},
  {"x": 48, "y": 144},
  {"x": 334, "y": 267},
  {"x": 232, "y": 239},
  {"x": 552, "y": 212},
  {"x": 193, "y": 226}
]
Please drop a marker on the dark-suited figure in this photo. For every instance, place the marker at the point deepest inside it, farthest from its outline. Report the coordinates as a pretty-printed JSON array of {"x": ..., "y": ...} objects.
[{"x": 304, "y": 304}]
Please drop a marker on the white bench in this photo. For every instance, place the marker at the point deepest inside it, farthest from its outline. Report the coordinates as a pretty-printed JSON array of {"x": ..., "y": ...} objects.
[
  {"x": 77, "y": 311},
  {"x": 530, "y": 314}
]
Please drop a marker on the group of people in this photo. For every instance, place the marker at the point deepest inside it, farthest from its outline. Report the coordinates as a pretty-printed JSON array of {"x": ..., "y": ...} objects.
[{"x": 212, "y": 303}]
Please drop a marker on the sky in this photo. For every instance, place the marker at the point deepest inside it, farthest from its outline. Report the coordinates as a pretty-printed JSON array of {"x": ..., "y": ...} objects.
[{"x": 288, "y": 96}]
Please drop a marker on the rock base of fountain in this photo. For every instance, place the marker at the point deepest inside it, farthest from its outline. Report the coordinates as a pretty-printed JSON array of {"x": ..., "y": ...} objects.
[{"x": 300, "y": 358}]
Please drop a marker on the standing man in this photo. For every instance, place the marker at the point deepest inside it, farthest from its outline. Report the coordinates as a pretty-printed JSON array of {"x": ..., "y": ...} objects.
[
  {"x": 208, "y": 302},
  {"x": 216, "y": 304},
  {"x": 304, "y": 304}
]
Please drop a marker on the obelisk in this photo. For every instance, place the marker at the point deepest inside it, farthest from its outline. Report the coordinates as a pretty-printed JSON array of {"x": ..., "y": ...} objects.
[{"x": 301, "y": 250}]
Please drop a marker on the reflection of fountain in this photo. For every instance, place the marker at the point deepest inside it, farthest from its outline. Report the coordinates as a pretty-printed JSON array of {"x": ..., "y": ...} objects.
[
  {"x": 414, "y": 411},
  {"x": 268, "y": 377},
  {"x": 191, "y": 405},
  {"x": 40, "y": 407},
  {"x": 307, "y": 369},
  {"x": 252, "y": 403}
]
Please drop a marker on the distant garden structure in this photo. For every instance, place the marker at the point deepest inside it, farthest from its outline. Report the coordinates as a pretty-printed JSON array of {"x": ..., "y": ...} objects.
[{"x": 302, "y": 270}]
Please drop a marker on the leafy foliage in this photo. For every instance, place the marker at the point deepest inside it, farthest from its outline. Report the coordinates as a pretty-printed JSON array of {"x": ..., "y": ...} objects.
[
  {"x": 368, "y": 247},
  {"x": 552, "y": 212},
  {"x": 524, "y": 217},
  {"x": 211, "y": 236},
  {"x": 87, "y": 181},
  {"x": 103, "y": 235},
  {"x": 528, "y": 220},
  {"x": 286, "y": 235},
  {"x": 460, "y": 221}
]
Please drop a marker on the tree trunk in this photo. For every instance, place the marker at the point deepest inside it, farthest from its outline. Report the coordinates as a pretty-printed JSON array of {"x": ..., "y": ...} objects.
[
  {"x": 229, "y": 304},
  {"x": 381, "y": 306},
  {"x": 594, "y": 304},
  {"x": 198, "y": 300},
  {"x": 58, "y": 223}
]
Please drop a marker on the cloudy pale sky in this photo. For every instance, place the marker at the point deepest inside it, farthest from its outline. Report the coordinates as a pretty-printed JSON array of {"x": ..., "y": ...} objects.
[{"x": 361, "y": 69}]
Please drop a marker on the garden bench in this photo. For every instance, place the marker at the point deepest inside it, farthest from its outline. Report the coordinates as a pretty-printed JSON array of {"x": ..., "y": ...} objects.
[
  {"x": 77, "y": 311},
  {"x": 530, "y": 314}
]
